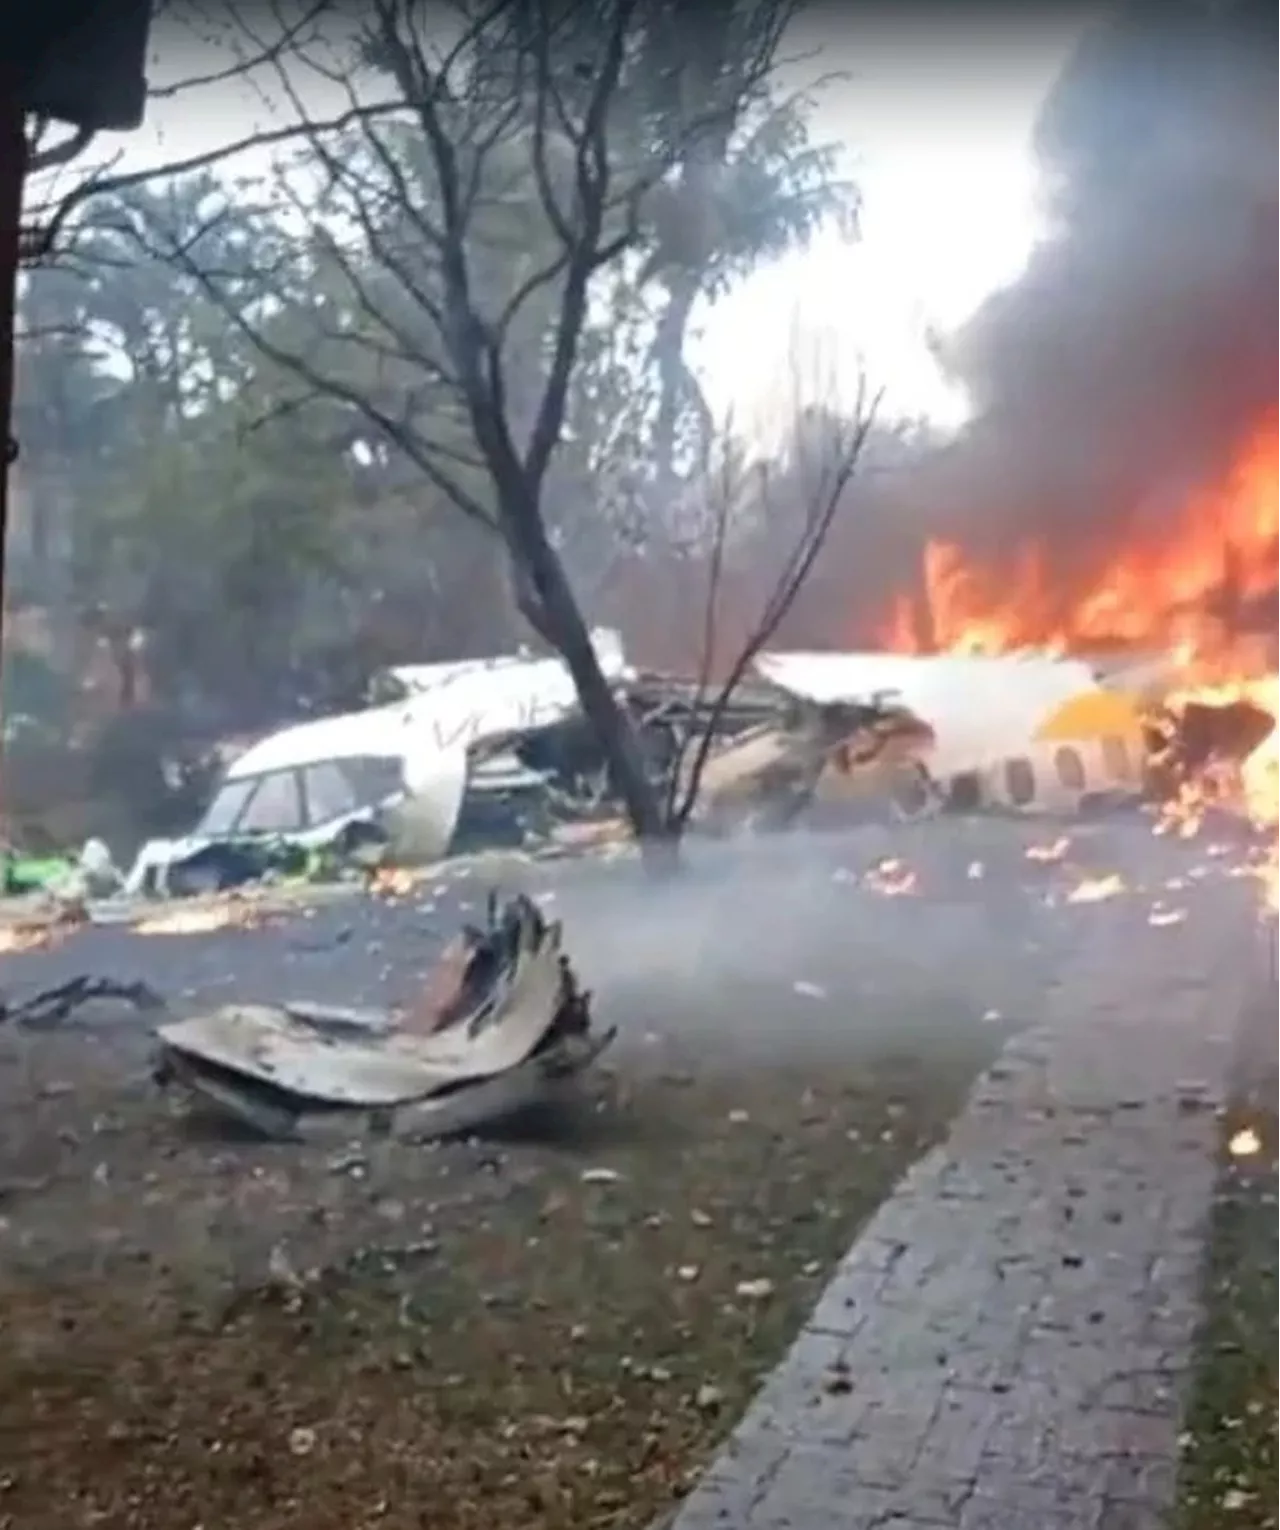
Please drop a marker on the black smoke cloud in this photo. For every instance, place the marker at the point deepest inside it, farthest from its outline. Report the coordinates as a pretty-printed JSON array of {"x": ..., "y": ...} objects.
[{"x": 1139, "y": 347}]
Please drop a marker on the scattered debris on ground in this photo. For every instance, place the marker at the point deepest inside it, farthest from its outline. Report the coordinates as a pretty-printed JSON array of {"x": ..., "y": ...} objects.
[
  {"x": 540, "y": 1332},
  {"x": 500, "y": 1027},
  {"x": 532, "y": 1331},
  {"x": 53, "y": 1006}
]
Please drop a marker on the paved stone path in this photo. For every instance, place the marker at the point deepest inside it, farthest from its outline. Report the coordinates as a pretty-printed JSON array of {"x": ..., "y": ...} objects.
[{"x": 1005, "y": 1346}]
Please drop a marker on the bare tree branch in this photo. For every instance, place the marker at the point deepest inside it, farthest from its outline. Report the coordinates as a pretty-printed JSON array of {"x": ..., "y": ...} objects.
[
  {"x": 269, "y": 53},
  {"x": 62, "y": 153},
  {"x": 728, "y": 490},
  {"x": 823, "y": 498},
  {"x": 44, "y": 230},
  {"x": 422, "y": 452}
]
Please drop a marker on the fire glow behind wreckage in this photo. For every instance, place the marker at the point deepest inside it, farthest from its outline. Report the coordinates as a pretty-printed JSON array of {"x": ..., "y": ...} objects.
[{"x": 1116, "y": 491}]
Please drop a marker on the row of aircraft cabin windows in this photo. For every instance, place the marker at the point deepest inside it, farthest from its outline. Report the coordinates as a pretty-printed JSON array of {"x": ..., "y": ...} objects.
[{"x": 1075, "y": 772}]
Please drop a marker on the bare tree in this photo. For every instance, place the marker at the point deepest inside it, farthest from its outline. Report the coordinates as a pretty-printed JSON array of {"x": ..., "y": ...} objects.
[
  {"x": 489, "y": 163},
  {"x": 50, "y": 203},
  {"x": 793, "y": 503}
]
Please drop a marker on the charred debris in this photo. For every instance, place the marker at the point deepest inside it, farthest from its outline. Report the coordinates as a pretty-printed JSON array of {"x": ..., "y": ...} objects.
[
  {"x": 768, "y": 752},
  {"x": 500, "y": 1027}
]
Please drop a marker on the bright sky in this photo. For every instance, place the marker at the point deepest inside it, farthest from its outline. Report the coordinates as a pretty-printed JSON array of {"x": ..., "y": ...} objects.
[{"x": 934, "y": 123}]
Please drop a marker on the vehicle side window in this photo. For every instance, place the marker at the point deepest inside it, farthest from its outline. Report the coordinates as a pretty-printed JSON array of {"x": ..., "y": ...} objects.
[
  {"x": 276, "y": 806},
  {"x": 1020, "y": 782},
  {"x": 1115, "y": 756},
  {"x": 330, "y": 792},
  {"x": 374, "y": 778},
  {"x": 221, "y": 814},
  {"x": 1070, "y": 768}
]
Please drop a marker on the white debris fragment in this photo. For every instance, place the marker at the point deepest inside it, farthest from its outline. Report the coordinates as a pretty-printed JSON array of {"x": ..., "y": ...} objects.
[
  {"x": 1096, "y": 889},
  {"x": 754, "y": 1290},
  {"x": 809, "y": 990},
  {"x": 600, "y": 1176},
  {"x": 1047, "y": 854},
  {"x": 891, "y": 878},
  {"x": 302, "y": 1440}
]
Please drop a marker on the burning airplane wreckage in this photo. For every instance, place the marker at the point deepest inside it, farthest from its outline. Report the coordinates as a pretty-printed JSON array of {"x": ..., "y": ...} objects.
[
  {"x": 501, "y": 1027},
  {"x": 496, "y": 753}
]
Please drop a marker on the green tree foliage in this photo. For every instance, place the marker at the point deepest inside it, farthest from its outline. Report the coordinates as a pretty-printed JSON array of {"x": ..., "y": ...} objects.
[{"x": 427, "y": 381}]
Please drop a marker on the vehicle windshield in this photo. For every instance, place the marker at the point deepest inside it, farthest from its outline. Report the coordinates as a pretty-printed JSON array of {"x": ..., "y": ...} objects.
[{"x": 225, "y": 808}]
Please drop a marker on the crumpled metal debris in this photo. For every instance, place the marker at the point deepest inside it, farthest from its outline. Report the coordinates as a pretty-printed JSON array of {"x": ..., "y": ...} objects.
[
  {"x": 500, "y": 1026},
  {"x": 52, "y": 1006},
  {"x": 770, "y": 774}
]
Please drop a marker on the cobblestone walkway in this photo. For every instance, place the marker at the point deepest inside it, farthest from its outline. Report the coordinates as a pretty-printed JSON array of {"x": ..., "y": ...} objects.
[{"x": 1006, "y": 1344}]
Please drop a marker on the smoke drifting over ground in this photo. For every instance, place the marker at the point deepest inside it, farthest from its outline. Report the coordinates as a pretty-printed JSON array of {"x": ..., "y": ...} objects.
[
  {"x": 1139, "y": 347},
  {"x": 785, "y": 944}
]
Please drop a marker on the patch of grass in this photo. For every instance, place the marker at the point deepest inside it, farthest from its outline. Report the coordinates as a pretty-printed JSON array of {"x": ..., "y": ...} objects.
[
  {"x": 550, "y": 1335},
  {"x": 1229, "y": 1474}
]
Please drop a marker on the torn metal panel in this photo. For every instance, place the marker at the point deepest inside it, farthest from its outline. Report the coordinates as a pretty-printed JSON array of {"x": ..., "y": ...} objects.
[
  {"x": 421, "y": 824},
  {"x": 488, "y": 699},
  {"x": 302, "y": 1058},
  {"x": 542, "y": 1080},
  {"x": 268, "y": 1044},
  {"x": 982, "y": 710},
  {"x": 769, "y": 768},
  {"x": 824, "y": 752},
  {"x": 523, "y": 670},
  {"x": 503, "y": 1019}
]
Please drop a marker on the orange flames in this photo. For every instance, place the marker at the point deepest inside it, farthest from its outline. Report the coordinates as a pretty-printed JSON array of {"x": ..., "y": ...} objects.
[
  {"x": 1184, "y": 590},
  {"x": 1217, "y": 553}
]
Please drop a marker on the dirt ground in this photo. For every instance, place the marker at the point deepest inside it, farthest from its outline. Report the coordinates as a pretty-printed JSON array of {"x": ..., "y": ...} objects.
[
  {"x": 466, "y": 1336},
  {"x": 552, "y": 1330}
]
